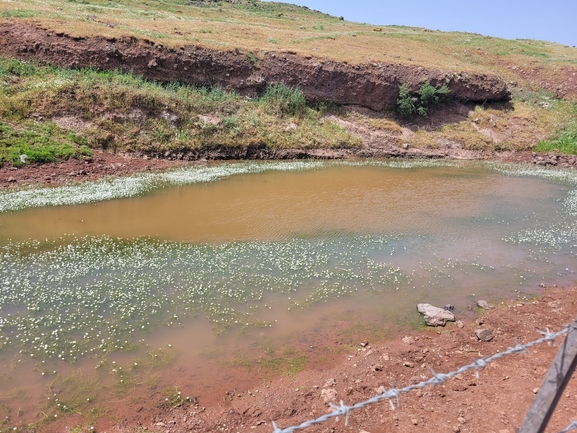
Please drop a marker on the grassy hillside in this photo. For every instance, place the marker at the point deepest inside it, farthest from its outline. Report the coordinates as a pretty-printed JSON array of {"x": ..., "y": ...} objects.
[
  {"x": 256, "y": 25},
  {"x": 52, "y": 113},
  {"x": 62, "y": 113}
]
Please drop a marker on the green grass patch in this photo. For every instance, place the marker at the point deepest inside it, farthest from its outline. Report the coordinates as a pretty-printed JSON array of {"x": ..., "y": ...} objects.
[
  {"x": 19, "y": 13},
  {"x": 564, "y": 141},
  {"x": 118, "y": 111},
  {"x": 39, "y": 143},
  {"x": 284, "y": 100}
]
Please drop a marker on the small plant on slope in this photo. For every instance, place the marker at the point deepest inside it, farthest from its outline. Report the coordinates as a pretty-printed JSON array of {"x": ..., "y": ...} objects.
[{"x": 409, "y": 105}]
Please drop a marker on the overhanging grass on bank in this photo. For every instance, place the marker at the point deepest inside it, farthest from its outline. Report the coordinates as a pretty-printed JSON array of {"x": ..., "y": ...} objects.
[{"x": 115, "y": 110}]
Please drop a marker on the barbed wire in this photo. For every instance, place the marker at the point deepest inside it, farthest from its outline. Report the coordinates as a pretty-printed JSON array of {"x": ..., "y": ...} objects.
[
  {"x": 572, "y": 426},
  {"x": 436, "y": 379}
]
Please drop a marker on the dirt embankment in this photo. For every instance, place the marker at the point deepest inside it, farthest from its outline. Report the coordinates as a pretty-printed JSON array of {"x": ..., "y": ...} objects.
[{"x": 375, "y": 86}]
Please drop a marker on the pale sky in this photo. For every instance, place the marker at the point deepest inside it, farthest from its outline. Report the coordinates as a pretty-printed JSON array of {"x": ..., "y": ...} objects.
[{"x": 548, "y": 20}]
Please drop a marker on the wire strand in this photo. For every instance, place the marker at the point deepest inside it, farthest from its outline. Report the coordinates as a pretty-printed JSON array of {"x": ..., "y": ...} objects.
[{"x": 436, "y": 379}]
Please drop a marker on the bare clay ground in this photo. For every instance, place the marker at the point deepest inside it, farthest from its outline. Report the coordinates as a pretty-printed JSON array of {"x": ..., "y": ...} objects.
[
  {"x": 104, "y": 164},
  {"x": 497, "y": 401}
]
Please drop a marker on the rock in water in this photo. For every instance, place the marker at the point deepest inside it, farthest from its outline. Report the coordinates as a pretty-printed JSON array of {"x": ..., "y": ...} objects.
[
  {"x": 435, "y": 316},
  {"x": 484, "y": 304}
]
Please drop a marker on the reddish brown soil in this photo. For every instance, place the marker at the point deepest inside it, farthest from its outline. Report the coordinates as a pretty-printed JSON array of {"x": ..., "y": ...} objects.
[
  {"x": 375, "y": 86},
  {"x": 562, "y": 81},
  {"x": 101, "y": 165},
  {"x": 497, "y": 401},
  {"x": 104, "y": 164}
]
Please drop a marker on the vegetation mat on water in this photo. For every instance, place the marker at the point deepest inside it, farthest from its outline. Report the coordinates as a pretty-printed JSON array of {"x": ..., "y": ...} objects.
[
  {"x": 70, "y": 298},
  {"x": 73, "y": 298}
]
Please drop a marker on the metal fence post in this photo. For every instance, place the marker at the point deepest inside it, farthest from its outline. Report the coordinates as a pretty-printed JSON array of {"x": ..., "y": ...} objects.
[{"x": 553, "y": 386}]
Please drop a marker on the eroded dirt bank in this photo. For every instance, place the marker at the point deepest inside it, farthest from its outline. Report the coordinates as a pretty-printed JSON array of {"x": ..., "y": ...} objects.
[{"x": 375, "y": 86}]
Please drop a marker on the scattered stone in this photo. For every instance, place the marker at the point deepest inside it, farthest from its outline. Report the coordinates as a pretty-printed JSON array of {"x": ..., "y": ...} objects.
[
  {"x": 435, "y": 316},
  {"x": 329, "y": 395},
  {"x": 535, "y": 390},
  {"x": 330, "y": 382},
  {"x": 461, "y": 420},
  {"x": 364, "y": 343},
  {"x": 386, "y": 357},
  {"x": 408, "y": 339},
  {"x": 484, "y": 305},
  {"x": 170, "y": 117},
  {"x": 484, "y": 334},
  {"x": 415, "y": 421},
  {"x": 209, "y": 120},
  {"x": 408, "y": 364},
  {"x": 11, "y": 180},
  {"x": 377, "y": 367},
  {"x": 460, "y": 324},
  {"x": 449, "y": 307}
]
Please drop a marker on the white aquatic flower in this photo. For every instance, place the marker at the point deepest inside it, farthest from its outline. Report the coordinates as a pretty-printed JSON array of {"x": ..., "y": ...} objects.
[{"x": 138, "y": 184}]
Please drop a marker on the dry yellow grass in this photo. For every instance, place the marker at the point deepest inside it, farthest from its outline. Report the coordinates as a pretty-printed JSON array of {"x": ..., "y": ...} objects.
[{"x": 257, "y": 26}]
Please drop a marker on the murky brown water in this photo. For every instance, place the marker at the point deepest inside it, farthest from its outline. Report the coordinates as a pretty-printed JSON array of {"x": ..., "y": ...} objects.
[
  {"x": 377, "y": 240},
  {"x": 272, "y": 206}
]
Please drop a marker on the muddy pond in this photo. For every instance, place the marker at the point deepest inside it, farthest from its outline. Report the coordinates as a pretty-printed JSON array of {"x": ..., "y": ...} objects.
[{"x": 160, "y": 287}]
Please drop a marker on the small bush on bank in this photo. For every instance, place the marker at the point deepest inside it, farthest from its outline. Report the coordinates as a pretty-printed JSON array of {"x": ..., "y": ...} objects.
[
  {"x": 428, "y": 96},
  {"x": 284, "y": 100}
]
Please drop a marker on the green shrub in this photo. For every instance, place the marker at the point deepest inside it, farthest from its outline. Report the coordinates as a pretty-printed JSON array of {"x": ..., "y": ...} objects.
[
  {"x": 406, "y": 104},
  {"x": 428, "y": 96},
  {"x": 284, "y": 100}
]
